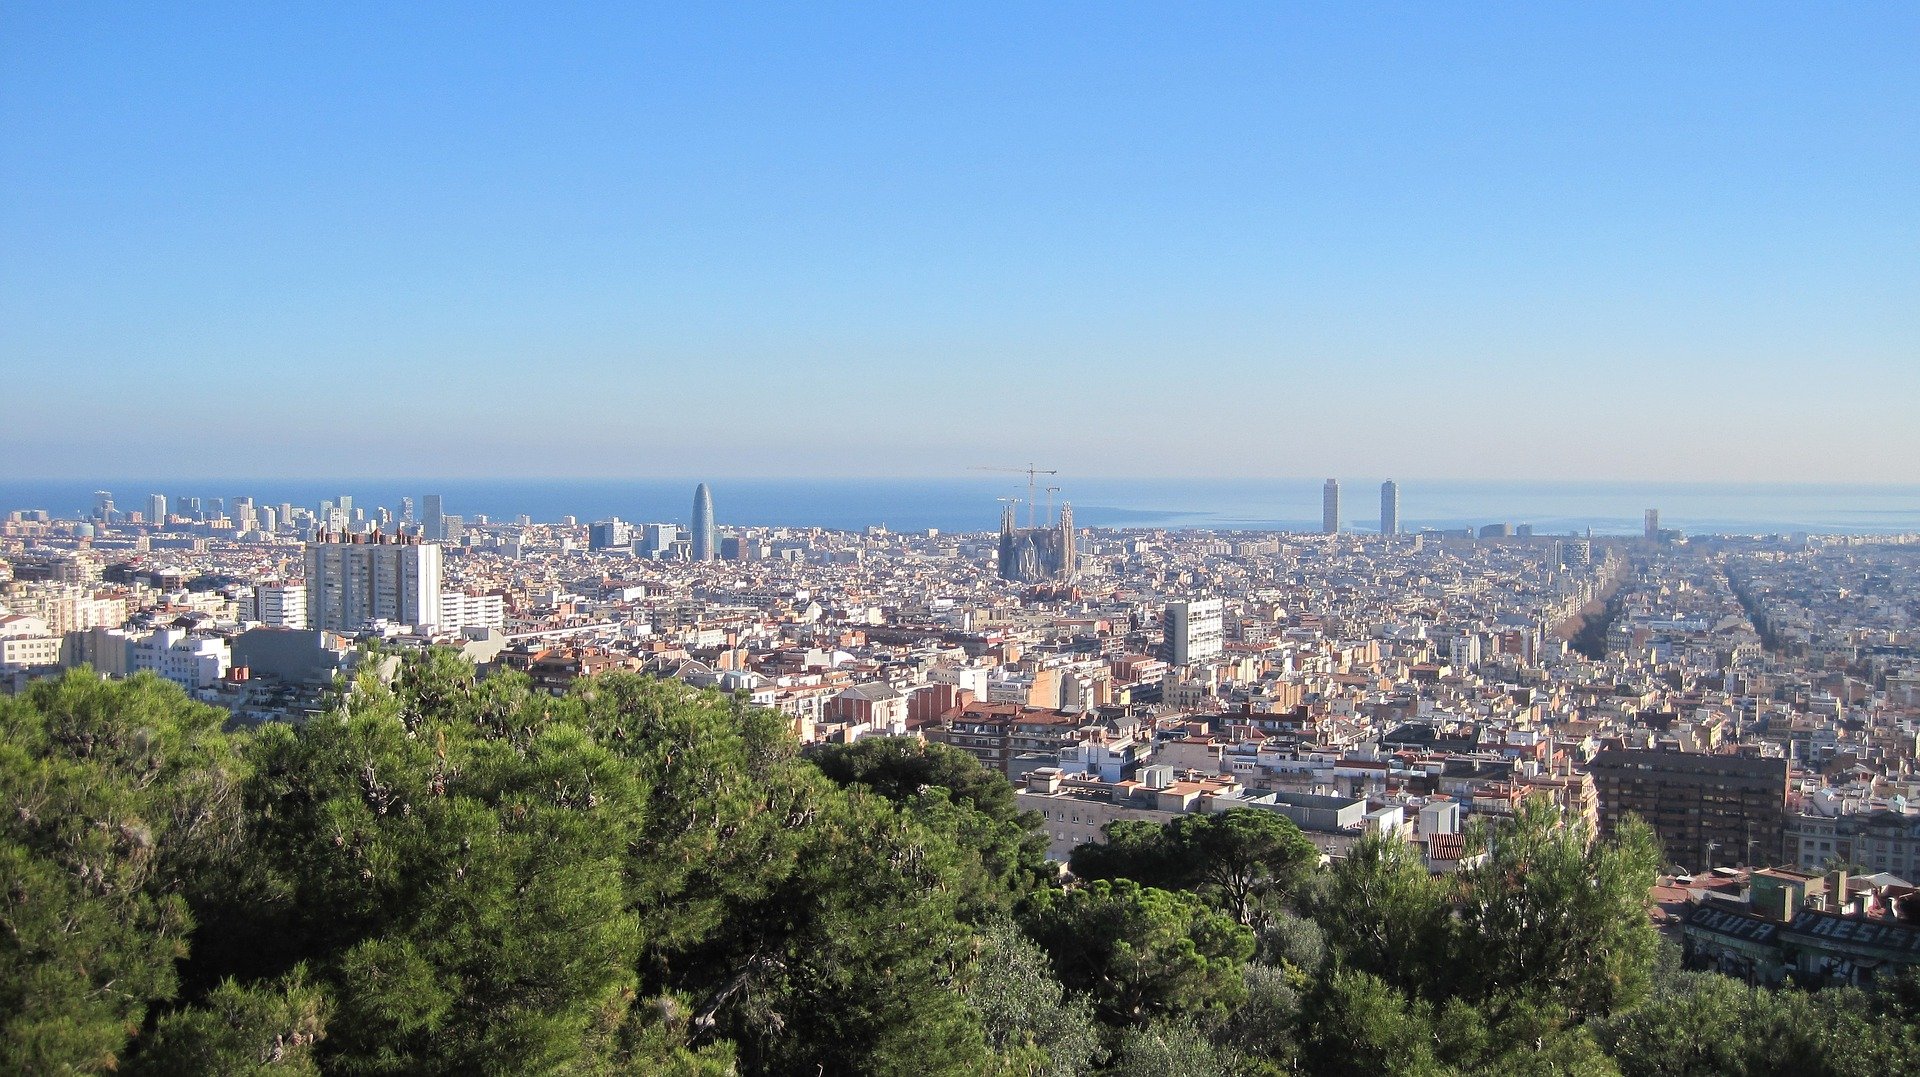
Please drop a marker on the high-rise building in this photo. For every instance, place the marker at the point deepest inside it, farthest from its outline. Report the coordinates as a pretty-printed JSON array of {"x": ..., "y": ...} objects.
[
  {"x": 1389, "y": 508},
  {"x": 1192, "y": 630},
  {"x": 1709, "y": 810},
  {"x": 156, "y": 508},
  {"x": 406, "y": 510},
  {"x": 353, "y": 579},
  {"x": 657, "y": 540},
  {"x": 1330, "y": 507},
  {"x": 706, "y": 536},
  {"x": 1653, "y": 525},
  {"x": 614, "y": 534},
  {"x": 433, "y": 523},
  {"x": 103, "y": 506}
]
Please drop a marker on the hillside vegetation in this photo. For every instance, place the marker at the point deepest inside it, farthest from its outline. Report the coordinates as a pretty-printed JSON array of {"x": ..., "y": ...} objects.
[{"x": 456, "y": 876}]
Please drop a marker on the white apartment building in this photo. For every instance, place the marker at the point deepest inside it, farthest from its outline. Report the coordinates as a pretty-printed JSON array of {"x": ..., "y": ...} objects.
[
  {"x": 353, "y": 579},
  {"x": 187, "y": 660},
  {"x": 25, "y": 643},
  {"x": 282, "y": 605},
  {"x": 1192, "y": 628},
  {"x": 461, "y": 610}
]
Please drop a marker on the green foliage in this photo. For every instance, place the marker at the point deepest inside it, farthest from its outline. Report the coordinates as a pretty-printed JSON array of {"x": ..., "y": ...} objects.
[
  {"x": 1264, "y": 1027},
  {"x": 115, "y": 794},
  {"x": 1142, "y": 952},
  {"x": 262, "y": 1029},
  {"x": 1552, "y": 915},
  {"x": 1031, "y": 1022},
  {"x": 1359, "y": 1026},
  {"x": 458, "y": 875},
  {"x": 949, "y": 791},
  {"x": 1383, "y": 914},
  {"x": 457, "y": 883},
  {"x": 1701, "y": 1023},
  {"x": 1170, "y": 1048},
  {"x": 1246, "y": 862}
]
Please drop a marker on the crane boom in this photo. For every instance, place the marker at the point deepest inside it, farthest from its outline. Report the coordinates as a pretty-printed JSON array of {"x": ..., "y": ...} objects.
[{"x": 1029, "y": 471}]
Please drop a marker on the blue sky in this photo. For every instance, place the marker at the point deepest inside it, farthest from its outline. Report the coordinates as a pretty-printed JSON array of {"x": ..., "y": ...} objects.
[{"x": 1447, "y": 241}]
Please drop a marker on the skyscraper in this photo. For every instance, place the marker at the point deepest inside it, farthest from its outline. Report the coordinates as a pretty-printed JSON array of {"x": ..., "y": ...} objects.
[
  {"x": 1389, "y": 508},
  {"x": 1330, "y": 507},
  {"x": 706, "y": 537},
  {"x": 433, "y": 523},
  {"x": 156, "y": 508},
  {"x": 353, "y": 579}
]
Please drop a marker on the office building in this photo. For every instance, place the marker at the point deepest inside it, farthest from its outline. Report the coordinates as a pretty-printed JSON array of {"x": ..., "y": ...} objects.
[
  {"x": 433, "y": 524},
  {"x": 353, "y": 579},
  {"x": 156, "y": 508},
  {"x": 103, "y": 506},
  {"x": 1330, "y": 507},
  {"x": 1709, "y": 810},
  {"x": 1389, "y": 508},
  {"x": 706, "y": 537},
  {"x": 614, "y": 534},
  {"x": 658, "y": 540},
  {"x": 1192, "y": 630}
]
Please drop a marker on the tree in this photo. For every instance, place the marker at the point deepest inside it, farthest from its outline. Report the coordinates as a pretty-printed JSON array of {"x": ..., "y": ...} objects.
[
  {"x": 1550, "y": 913},
  {"x": 1704, "y": 1023},
  {"x": 117, "y": 795},
  {"x": 1382, "y": 913},
  {"x": 1143, "y": 953},
  {"x": 949, "y": 790},
  {"x": 269, "y": 1028},
  {"x": 1030, "y": 1021},
  {"x": 457, "y": 885},
  {"x": 1359, "y": 1026},
  {"x": 1245, "y": 861},
  {"x": 1168, "y": 1048},
  {"x": 901, "y": 768}
]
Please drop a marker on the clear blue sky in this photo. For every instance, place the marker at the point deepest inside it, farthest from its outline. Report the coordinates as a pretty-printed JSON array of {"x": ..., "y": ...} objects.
[{"x": 1595, "y": 241}]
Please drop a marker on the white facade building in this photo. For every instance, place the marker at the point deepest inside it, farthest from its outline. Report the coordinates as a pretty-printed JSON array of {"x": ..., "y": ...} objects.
[
  {"x": 282, "y": 605},
  {"x": 353, "y": 579},
  {"x": 461, "y": 610},
  {"x": 1192, "y": 629}
]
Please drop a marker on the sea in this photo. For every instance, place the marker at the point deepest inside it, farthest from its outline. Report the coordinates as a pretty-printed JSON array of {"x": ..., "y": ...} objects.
[{"x": 973, "y": 503}]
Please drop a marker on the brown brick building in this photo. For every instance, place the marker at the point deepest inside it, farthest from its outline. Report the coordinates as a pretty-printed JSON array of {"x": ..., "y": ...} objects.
[{"x": 1709, "y": 810}]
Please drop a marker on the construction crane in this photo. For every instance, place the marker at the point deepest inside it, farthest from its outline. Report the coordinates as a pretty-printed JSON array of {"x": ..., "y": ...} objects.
[{"x": 1029, "y": 471}]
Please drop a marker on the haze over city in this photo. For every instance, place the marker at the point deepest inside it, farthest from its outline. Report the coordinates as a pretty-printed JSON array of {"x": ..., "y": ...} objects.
[{"x": 1529, "y": 242}]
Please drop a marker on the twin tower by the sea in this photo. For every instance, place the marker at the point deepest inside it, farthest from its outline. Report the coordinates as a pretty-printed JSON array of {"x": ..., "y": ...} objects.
[{"x": 970, "y": 504}]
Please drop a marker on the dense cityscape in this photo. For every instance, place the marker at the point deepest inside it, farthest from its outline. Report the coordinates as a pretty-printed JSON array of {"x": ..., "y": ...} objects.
[
  {"x": 796, "y": 541},
  {"x": 1757, "y": 699}
]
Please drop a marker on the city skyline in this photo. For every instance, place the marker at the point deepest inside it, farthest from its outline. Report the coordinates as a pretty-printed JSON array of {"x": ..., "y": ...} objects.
[{"x": 1625, "y": 245}]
